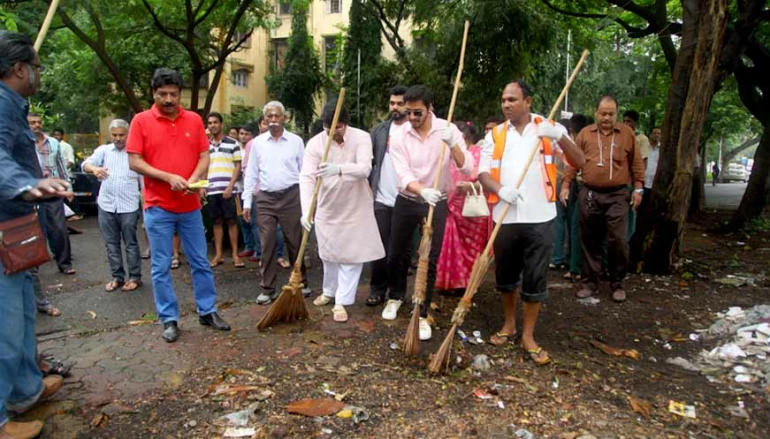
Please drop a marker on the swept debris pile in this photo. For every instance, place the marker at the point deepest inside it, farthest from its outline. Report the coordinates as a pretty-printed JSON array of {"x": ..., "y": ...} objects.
[{"x": 742, "y": 353}]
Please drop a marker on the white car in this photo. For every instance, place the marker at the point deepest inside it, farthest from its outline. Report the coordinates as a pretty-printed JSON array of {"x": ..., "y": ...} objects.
[{"x": 735, "y": 172}]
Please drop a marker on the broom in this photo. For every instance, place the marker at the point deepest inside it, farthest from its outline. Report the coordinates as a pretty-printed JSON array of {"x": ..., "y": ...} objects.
[
  {"x": 46, "y": 24},
  {"x": 412, "y": 337},
  {"x": 290, "y": 305},
  {"x": 481, "y": 265}
]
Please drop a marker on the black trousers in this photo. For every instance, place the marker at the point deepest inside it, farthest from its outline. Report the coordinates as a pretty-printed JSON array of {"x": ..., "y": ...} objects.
[
  {"x": 55, "y": 228},
  {"x": 408, "y": 216},
  {"x": 604, "y": 214},
  {"x": 379, "y": 283}
]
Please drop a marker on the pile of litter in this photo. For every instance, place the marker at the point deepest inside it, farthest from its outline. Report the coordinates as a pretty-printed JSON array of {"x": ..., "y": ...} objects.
[{"x": 742, "y": 353}]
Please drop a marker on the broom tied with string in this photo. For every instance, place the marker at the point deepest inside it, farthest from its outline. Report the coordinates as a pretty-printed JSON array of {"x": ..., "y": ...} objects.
[
  {"x": 290, "y": 305},
  {"x": 412, "y": 337},
  {"x": 440, "y": 360}
]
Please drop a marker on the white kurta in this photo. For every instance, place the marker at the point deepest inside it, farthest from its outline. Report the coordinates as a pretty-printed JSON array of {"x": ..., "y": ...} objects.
[{"x": 344, "y": 220}]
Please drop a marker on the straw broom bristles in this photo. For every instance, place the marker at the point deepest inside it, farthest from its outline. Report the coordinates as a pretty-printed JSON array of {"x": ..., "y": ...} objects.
[
  {"x": 290, "y": 305},
  {"x": 441, "y": 358}
]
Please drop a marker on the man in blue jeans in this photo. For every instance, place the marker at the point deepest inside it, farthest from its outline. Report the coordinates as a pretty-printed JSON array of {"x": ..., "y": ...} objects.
[
  {"x": 169, "y": 146},
  {"x": 21, "y": 382}
]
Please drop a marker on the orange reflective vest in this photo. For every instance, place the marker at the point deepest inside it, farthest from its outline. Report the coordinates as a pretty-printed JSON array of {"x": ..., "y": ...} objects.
[{"x": 546, "y": 161}]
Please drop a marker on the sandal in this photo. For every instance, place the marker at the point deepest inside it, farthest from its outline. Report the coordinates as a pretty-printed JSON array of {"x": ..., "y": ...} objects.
[
  {"x": 68, "y": 271},
  {"x": 132, "y": 284},
  {"x": 501, "y": 338},
  {"x": 283, "y": 263},
  {"x": 146, "y": 254},
  {"x": 175, "y": 262},
  {"x": 50, "y": 310},
  {"x": 339, "y": 314},
  {"x": 322, "y": 300},
  {"x": 539, "y": 356},
  {"x": 239, "y": 264},
  {"x": 113, "y": 285},
  {"x": 375, "y": 300},
  {"x": 216, "y": 263}
]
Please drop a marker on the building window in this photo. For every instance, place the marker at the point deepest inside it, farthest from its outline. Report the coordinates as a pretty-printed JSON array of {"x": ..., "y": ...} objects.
[
  {"x": 335, "y": 6},
  {"x": 331, "y": 55},
  {"x": 278, "y": 55},
  {"x": 241, "y": 78},
  {"x": 238, "y": 36},
  {"x": 284, "y": 8}
]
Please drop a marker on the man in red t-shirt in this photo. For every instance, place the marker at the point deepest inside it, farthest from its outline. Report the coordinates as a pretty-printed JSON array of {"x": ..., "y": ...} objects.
[{"x": 169, "y": 147}]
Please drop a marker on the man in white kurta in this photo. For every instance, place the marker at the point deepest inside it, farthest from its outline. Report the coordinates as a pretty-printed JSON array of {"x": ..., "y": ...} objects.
[{"x": 344, "y": 217}]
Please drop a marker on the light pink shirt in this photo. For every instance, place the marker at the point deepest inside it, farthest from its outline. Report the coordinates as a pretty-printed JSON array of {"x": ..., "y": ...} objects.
[
  {"x": 245, "y": 161},
  {"x": 416, "y": 159}
]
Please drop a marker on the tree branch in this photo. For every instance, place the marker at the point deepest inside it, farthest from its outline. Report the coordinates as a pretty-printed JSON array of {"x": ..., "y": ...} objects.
[
  {"x": 208, "y": 12},
  {"x": 159, "y": 25}
]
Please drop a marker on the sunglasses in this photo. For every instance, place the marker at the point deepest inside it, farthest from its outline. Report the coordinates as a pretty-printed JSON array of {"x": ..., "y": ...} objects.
[{"x": 416, "y": 113}]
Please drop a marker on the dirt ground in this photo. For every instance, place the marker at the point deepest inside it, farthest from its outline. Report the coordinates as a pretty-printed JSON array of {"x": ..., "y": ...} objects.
[{"x": 583, "y": 393}]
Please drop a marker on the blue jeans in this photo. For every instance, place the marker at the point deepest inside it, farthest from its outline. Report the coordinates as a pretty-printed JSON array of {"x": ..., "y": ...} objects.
[
  {"x": 161, "y": 225},
  {"x": 251, "y": 239},
  {"x": 116, "y": 227},
  {"x": 21, "y": 382}
]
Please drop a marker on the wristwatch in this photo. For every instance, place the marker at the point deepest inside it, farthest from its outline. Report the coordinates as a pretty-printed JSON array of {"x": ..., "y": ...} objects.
[{"x": 639, "y": 191}]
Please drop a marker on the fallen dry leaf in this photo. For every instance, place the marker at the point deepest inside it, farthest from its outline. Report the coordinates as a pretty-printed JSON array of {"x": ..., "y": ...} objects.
[
  {"x": 316, "y": 407},
  {"x": 616, "y": 352},
  {"x": 92, "y": 314},
  {"x": 481, "y": 393},
  {"x": 140, "y": 322},
  {"x": 239, "y": 372},
  {"x": 640, "y": 406},
  {"x": 100, "y": 420},
  {"x": 227, "y": 389}
]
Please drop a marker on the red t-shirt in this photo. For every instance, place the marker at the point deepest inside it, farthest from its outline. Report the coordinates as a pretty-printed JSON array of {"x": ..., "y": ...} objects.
[{"x": 172, "y": 146}]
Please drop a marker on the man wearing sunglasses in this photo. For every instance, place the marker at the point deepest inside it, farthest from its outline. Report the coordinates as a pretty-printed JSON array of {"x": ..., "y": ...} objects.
[{"x": 416, "y": 150}]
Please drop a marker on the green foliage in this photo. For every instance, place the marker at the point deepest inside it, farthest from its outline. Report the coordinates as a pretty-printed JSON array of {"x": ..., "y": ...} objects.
[
  {"x": 8, "y": 21},
  {"x": 364, "y": 36},
  {"x": 242, "y": 116},
  {"x": 300, "y": 81}
]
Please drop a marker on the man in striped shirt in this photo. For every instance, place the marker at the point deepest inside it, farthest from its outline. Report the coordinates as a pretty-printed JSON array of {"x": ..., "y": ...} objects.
[
  {"x": 224, "y": 170},
  {"x": 118, "y": 206}
]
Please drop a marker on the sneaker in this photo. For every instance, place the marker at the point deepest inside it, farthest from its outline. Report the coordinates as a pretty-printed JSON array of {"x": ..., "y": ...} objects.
[
  {"x": 322, "y": 300},
  {"x": 265, "y": 298},
  {"x": 425, "y": 332},
  {"x": 391, "y": 309}
]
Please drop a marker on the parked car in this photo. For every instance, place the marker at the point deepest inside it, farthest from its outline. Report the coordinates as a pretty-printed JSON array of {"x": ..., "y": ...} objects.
[{"x": 735, "y": 172}]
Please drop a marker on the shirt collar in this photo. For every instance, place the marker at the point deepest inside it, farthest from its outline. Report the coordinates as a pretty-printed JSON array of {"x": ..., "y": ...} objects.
[
  {"x": 156, "y": 112},
  {"x": 433, "y": 125},
  {"x": 272, "y": 139},
  {"x": 15, "y": 97},
  {"x": 595, "y": 127}
]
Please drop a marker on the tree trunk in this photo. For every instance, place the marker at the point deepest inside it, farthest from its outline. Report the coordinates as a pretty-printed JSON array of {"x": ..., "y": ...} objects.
[
  {"x": 728, "y": 156},
  {"x": 195, "y": 89},
  {"x": 698, "y": 196},
  {"x": 757, "y": 194},
  {"x": 692, "y": 89}
]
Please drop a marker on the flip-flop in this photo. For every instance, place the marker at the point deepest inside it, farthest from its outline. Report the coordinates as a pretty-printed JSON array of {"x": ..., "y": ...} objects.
[
  {"x": 283, "y": 263},
  {"x": 50, "y": 310},
  {"x": 113, "y": 285},
  {"x": 146, "y": 255},
  {"x": 131, "y": 285},
  {"x": 539, "y": 356},
  {"x": 216, "y": 264},
  {"x": 174, "y": 263},
  {"x": 501, "y": 338},
  {"x": 68, "y": 271},
  {"x": 239, "y": 264}
]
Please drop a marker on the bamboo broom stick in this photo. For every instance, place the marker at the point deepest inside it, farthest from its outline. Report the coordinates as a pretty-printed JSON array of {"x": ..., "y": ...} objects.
[
  {"x": 46, "y": 24},
  {"x": 290, "y": 305},
  {"x": 441, "y": 358},
  {"x": 412, "y": 337}
]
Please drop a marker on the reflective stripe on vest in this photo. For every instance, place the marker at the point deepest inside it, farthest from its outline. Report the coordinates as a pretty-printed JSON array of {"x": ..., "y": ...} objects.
[{"x": 546, "y": 161}]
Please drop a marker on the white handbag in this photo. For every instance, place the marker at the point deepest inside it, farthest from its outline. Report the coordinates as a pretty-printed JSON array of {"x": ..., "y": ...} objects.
[{"x": 475, "y": 204}]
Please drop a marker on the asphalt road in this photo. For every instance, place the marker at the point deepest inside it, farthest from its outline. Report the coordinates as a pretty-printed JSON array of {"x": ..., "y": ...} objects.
[
  {"x": 82, "y": 292},
  {"x": 724, "y": 195}
]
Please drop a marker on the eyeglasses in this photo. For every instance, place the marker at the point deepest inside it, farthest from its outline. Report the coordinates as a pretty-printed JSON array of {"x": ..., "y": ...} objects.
[
  {"x": 416, "y": 113},
  {"x": 39, "y": 67}
]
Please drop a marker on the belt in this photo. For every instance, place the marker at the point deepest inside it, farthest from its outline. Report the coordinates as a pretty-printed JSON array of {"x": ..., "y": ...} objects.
[
  {"x": 606, "y": 190},
  {"x": 418, "y": 200},
  {"x": 282, "y": 192}
]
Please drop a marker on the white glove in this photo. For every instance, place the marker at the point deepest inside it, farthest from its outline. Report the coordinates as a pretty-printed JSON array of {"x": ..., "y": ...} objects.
[
  {"x": 509, "y": 194},
  {"x": 431, "y": 196},
  {"x": 306, "y": 223},
  {"x": 327, "y": 170},
  {"x": 448, "y": 136},
  {"x": 548, "y": 129}
]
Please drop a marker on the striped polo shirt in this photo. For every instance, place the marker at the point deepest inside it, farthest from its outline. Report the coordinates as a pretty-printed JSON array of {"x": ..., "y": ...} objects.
[{"x": 222, "y": 159}]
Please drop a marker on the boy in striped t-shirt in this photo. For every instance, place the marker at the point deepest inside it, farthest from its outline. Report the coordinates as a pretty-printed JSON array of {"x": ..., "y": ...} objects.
[{"x": 224, "y": 169}]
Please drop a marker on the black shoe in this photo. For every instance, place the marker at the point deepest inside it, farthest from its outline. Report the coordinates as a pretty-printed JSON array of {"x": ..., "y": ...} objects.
[
  {"x": 170, "y": 331},
  {"x": 214, "y": 321}
]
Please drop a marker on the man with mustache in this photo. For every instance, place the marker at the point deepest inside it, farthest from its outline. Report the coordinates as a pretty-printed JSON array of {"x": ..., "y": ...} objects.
[
  {"x": 613, "y": 162},
  {"x": 118, "y": 204},
  {"x": 383, "y": 181},
  {"x": 416, "y": 150},
  {"x": 169, "y": 147},
  {"x": 271, "y": 187}
]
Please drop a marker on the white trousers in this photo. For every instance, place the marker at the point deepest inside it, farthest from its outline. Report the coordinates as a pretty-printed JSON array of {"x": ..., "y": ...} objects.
[{"x": 341, "y": 281}]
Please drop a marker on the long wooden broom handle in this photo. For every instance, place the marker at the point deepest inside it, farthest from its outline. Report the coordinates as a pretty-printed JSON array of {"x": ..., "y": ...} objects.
[
  {"x": 532, "y": 154},
  {"x": 46, "y": 25},
  {"x": 450, "y": 115},
  {"x": 314, "y": 200}
]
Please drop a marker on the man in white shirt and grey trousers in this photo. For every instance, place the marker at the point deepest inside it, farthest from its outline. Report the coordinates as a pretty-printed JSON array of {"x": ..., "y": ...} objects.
[{"x": 272, "y": 182}]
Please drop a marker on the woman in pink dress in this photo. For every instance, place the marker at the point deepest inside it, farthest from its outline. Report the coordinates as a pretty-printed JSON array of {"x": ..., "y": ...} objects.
[{"x": 464, "y": 238}]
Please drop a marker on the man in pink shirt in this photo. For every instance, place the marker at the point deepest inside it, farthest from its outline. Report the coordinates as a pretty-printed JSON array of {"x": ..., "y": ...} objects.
[{"x": 415, "y": 150}]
